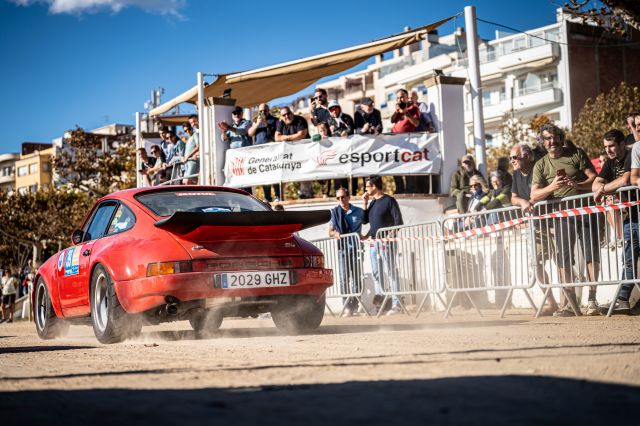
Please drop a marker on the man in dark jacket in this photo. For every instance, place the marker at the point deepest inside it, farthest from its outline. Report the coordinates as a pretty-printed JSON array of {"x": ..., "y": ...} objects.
[
  {"x": 460, "y": 182},
  {"x": 381, "y": 211}
]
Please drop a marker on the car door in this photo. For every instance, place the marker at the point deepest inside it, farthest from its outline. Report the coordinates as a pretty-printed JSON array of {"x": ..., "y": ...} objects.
[{"x": 76, "y": 271}]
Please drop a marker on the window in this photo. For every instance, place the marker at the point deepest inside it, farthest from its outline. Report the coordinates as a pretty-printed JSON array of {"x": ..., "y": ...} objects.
[
  {"x": 33, "y": 188},
  {"x": 22, "y": 171},
  {"x": 166, "y": 203},
  {"x": 123, "y": 220},
  {"x": 33, "y": 168},
  {"x": 99, "y": 221},
  {"x": 519, "y": 43},
  {"x": 46, "y": 167},
  {"x": 22, "y": 190}
]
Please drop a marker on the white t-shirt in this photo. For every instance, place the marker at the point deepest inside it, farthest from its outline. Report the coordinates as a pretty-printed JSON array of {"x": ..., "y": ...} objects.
[
  {"x": 635, "y": 156},
  {"x": 9, "y": 285}
]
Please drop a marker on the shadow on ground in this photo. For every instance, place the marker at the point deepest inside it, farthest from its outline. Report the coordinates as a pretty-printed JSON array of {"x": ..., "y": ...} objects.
[
  {"x": 496, "y": 400},
  {"x": 268, "y": 331}
]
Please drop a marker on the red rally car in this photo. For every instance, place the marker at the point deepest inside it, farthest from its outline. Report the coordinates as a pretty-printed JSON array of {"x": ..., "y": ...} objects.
[{"x": 196, "y": 253}]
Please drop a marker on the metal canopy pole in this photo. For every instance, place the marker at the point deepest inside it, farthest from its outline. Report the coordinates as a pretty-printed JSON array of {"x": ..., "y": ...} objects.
[
  {"x": 476, "y": 88},
  {"x": 202, "y": 135},
  {"x": 138, "y": 146}
]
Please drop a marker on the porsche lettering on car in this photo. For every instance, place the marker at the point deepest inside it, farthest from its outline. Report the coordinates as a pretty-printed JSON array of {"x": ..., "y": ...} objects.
[{"x": 193, "y": 253}]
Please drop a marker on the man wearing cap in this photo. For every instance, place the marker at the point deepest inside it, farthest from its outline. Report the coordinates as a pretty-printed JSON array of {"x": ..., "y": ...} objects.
[
  {"x": 460, "y": 182},
  {"x": 318, "y": 109},
  {"x": 236, "y": 133},
  {"x": 340, "y": 124},
  {"x": 367, "y": 118}
]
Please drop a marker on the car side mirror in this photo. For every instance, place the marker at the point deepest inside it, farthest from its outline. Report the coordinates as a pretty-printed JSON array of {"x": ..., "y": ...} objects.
[{"x": 76, "y": 237}]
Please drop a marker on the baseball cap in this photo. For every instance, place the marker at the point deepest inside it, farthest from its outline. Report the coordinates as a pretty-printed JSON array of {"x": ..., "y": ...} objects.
[
  {"x": 467, "y": 158},
  {"x": 366, "y": 101},
  {"x": 237, "y": 110},
  {"x": 333, "y": 104}
]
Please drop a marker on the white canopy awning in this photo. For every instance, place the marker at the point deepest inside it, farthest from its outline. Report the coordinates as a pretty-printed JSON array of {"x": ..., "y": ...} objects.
[{"x": 250, "y": 88}]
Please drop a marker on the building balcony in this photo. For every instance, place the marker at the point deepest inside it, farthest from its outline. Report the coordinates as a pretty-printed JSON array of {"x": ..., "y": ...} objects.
[
  {"x": 532, "y": 57},
  {"x": 7, "y": 179},
  {"x": 527, "y": 99}
]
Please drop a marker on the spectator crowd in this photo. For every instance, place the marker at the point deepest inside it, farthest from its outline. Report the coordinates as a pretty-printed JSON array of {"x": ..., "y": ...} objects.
[{"x": 175, "y": 160}]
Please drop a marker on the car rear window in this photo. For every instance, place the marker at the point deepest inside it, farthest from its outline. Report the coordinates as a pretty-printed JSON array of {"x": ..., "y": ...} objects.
[{"x": 166, "y": 203}]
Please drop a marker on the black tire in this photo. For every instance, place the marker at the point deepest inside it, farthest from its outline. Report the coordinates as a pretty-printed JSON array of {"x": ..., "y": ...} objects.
[
  {"x": 111, "y": 323},
  {"x": 48, "y": 325},
  {"x": 298, "y": 314},
  {"x": 206, "y": 322}
]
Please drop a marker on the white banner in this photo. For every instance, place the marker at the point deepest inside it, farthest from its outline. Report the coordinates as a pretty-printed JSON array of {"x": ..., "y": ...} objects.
[{"x": 400, "y": 154}]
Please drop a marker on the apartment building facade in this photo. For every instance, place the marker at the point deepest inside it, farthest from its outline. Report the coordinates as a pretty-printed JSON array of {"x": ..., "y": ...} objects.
[
  {"x": 8, "y": 172},
  {"x": 34, "y": 170},
  {"x": 550, "y": 70}
]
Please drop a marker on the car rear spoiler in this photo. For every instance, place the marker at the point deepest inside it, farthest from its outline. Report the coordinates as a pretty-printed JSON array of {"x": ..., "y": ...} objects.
[{"x": 293, "y": 221}]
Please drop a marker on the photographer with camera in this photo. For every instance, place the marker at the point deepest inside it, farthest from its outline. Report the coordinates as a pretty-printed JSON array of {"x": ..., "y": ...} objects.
[
  {"x": 318, "y": 110},
  {"x": 367, "y": 118},
  {"x": 263, "y": 130},
  {"x": 405, "y": 119}
]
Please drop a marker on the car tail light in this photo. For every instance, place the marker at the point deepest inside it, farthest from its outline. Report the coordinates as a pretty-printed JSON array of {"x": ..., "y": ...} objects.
[
  {"x": 166, "y": 268},
  {"x": 314, "y": 261}
]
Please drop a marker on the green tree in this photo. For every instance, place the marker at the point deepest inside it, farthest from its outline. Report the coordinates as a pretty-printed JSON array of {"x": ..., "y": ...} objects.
[
  {"x": 42, "y": 218},
  {"x": 607, "y": 111},
  {"x": 82, "y": 165}
]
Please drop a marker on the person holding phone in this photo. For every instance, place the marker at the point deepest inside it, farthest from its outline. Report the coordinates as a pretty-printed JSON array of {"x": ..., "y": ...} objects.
[{"x": 563, "y": 172}]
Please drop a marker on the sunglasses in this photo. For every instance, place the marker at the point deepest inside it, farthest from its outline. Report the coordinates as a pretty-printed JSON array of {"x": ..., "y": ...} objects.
[
  {"x": 287, "y": 114},
  {"x": 514, "y": 158}
]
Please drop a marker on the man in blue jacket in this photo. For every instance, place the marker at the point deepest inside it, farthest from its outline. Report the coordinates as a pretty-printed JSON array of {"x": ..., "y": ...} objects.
[{"x": 347, "y": 219}]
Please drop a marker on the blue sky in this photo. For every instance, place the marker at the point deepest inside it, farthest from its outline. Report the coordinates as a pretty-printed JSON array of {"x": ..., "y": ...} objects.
[{"x": 89, "y": 62}]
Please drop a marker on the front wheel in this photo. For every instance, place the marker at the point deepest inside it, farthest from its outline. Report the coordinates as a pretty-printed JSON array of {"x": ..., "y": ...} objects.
[
  {"x": 111, "y": 323},
  {"x": 298, "y": 314},
  {"x": 48, "y": 325}
]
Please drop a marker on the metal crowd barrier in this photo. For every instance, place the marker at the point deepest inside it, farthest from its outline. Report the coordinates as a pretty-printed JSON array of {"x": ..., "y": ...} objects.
[
  {"x": 587, "y": 249},
  {"x": 490, "y": 259},
  {"x": 344, "y": 256},
  {"x": 409, "y": 260}
]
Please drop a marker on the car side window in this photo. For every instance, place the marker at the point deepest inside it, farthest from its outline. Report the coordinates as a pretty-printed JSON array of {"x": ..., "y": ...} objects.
[
  {"x": 99, "y": 222},
  {"x": 123, "y": 220}
]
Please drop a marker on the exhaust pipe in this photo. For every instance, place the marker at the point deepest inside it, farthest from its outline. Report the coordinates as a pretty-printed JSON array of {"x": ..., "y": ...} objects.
[{"x": 171, "y": 308}]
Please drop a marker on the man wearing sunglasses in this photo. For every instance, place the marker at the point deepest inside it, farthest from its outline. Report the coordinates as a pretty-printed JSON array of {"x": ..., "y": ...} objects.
[
  {"x": 291, "y": 128},
  {"x": 460, "y": 182},
  {"x": 347, "y": 219},
  {"x": 318, "y": 109}
]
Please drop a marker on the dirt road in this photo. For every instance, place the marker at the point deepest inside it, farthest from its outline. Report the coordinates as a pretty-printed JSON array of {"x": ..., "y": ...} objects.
[{"x": 392, "y": 370}]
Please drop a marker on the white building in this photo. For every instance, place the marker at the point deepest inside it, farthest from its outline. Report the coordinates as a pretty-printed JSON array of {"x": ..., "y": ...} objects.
[{"x": 550, "y": 70}]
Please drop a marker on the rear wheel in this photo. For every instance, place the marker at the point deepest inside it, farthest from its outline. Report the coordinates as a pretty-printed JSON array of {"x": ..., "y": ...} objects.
[
  {"x": 48, "y": 325},
  {"x": 298, "y": 314},
  {"x": 111, "y": 323},
  {"x": 206, "y": 322}
]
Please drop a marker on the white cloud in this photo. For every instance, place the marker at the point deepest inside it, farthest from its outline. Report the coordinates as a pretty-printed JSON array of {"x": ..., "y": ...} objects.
[{"x": 79, "y": 7}]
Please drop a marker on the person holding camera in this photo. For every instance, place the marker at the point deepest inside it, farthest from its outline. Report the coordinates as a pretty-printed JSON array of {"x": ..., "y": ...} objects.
[
  {"x": 405, "y": 119},
  {"x": 367, "y": 118},
  {"x": 263, "y": 130},
  {"x": 236, "y": 132},
  {"x": 319, "y": 110}
]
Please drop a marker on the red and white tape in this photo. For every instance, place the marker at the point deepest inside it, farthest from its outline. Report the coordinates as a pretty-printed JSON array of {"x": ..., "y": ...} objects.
[{"x": 576, "y": 211}]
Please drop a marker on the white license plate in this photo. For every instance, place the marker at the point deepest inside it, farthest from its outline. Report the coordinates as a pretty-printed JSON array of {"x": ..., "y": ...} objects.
[{"x": 238, "y": 280}]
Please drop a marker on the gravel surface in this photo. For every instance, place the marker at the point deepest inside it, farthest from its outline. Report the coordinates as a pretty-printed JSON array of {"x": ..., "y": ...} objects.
[{"x": 463, "y": 370}]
